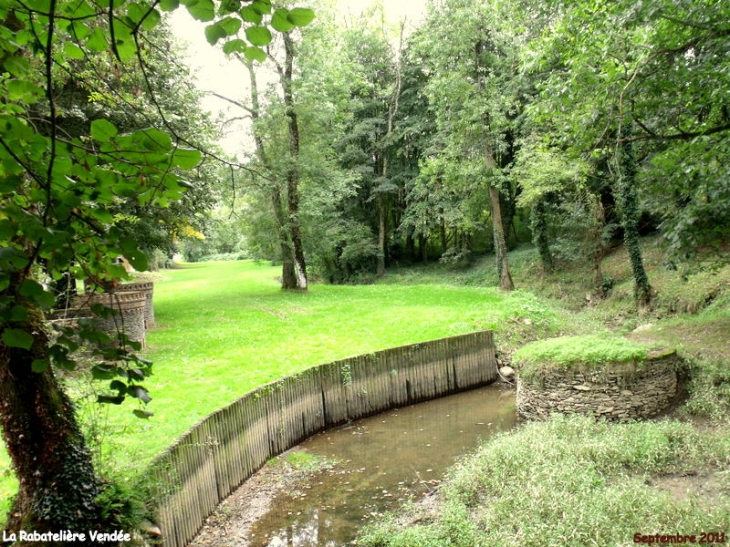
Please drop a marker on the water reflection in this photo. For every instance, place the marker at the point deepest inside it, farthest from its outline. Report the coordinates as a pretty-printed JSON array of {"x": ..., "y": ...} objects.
[{"x": 383, "y": 460}]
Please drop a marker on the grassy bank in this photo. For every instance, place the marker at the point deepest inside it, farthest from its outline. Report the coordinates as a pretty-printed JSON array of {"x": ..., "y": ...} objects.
[{"x": 226, "y": 328}]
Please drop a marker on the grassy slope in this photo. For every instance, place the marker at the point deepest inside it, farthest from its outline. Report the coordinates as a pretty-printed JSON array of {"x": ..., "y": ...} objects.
[{"x": 226, "y": 328}]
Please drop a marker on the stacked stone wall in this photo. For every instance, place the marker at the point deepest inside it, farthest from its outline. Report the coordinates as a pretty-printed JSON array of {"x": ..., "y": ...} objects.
[
  {"x": 129, "y": 316},
  {"x": 146, "y": 287},
  {"x": 617, "y": 392}
]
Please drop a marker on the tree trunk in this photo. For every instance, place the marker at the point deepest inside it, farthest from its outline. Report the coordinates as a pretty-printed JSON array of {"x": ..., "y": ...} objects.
[
  {"x": 599, "y": 249},
  {"x": 293, "y": 274},
  {"x": 382, "y": 236},
  {"x": 382, "y": 203},
  {"x": 500, "y": 246},
  {"x": 300, "y": 266},
  {"x": 538, "y": 225},
  {"x": 629, "y": 202},
  {"x": 58, "y": 485},
  {"x": 442, "y": 234}
]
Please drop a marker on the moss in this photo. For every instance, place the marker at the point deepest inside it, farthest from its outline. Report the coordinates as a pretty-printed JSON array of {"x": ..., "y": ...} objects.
[{"x": 578, "y": 352}]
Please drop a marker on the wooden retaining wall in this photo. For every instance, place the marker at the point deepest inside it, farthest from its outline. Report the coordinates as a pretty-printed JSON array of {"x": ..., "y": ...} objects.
[{"x": 219, "y": 453}]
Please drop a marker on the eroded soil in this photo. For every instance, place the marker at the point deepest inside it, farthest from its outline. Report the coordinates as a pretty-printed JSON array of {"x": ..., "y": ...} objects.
[{"x": 231, "y": 522}]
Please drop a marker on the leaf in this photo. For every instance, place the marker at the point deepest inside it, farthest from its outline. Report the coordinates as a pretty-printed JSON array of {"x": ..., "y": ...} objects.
[
  {"x": 202, "y": 10},
  {"x": 231, "y": 25},
  {"x": 261, "y": 6},
  {"x": 108, "y": 399},
  {"x": 103, "y": 130},
  {"x": 72, "y": 51},
  {"x": 118, "y": 385},
  {"x": 35, "y": 291},
  {"x": 186, "y": 158},
  {"x": 16, "y": 65},
  {"x": 169, "y": 5},
  {"x": 97, "y": 41},
  {"x": 255, "y": 53},
  {"x": 155, "y": 140},
  {"x": 301, "y": 17},
  {"x": 18, "y": 313},
  {"x": 229, "y": 6},
  {"x": 78, "y": 9},
  {"x": 250, "y": 15},
  {"x": 17, "y": 338},
  {"x": 137, "y": 259},
  {"x": 280, "y": 21},
  {"x": 145, "y": 415},
  {"x": 258, "y": 36},
  {"x": 103, "y": 372},
  {"x": 23, "y": 90},
  {"x": 152, "y": 19},
  {"x": 140, "y": 393},
  {"x": 39, "y": 365},
  {"x": 213, "y": 33},
  {"x": 236, "y": 45},
  {"x": 135, "y": 374}
]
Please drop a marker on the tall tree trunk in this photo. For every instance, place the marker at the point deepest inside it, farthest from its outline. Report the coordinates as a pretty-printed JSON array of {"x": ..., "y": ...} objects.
[
  {"x": 500, "y": 246},
  {"x": 289, "y": 277},
  {"x": 292, "y": 188},
  {"x": 442, "y": 233},
  {"x": 382, "y": 205},
  {"x": 58, "y": 485},
  {"x": 629, "y": 202}
]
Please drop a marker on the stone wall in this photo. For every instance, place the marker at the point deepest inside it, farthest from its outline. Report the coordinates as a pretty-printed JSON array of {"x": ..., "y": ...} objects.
[
  {"x": 146, "y": 287},
  {"x": 617, "y": 392},
  {"x": 129, "y": 316}
]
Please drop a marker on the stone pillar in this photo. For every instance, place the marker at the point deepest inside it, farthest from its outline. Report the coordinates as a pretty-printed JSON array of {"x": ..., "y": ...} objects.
[
  {"x": 128, "y": 317},
  {"x": 146, "y": 287}
]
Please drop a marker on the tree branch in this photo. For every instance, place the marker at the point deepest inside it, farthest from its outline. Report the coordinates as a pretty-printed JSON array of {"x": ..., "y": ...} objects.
[
  {"x": 681, "y": 136},
  {"x": 232, "y": 101}
]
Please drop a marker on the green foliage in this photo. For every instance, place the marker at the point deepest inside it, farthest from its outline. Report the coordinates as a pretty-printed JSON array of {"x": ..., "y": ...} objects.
[
  {"x": 578, "y": 351},
  {"x": 657, "y": 67},
  {"x": 122, "y": 507},
  {"x": 582, "y": 482}
]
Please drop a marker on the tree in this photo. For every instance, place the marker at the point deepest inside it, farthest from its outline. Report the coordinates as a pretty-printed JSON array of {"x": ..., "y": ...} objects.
[
  {"x": 639, "y": 83},
  {"x": 55, "y": 189},
  {"x": 470, "y": 53},
  {"x": 282, "y": 166}
]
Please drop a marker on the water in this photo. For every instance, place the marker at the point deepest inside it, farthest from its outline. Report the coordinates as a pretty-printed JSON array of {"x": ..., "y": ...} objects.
[{"x": 381, "y": 461}]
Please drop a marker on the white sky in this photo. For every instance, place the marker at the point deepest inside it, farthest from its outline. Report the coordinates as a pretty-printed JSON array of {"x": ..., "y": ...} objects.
[{"x": 215, "y": 73}]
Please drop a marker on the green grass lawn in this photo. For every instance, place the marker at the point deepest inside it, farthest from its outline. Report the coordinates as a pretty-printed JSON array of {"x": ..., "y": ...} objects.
[{"x": 225, "y": 328}]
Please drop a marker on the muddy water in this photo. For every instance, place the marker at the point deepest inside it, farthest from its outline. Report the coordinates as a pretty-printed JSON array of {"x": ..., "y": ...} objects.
[{"x": 381, "y": 461}]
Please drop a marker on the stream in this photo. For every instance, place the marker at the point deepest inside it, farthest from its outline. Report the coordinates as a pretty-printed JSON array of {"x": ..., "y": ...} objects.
[{"x": 380, "y": 462}]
